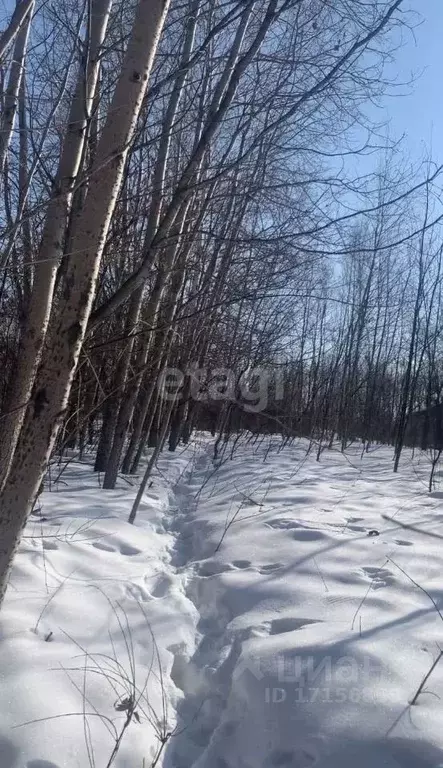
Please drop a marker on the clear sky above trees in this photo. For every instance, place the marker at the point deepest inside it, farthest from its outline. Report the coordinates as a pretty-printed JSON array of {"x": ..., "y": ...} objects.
[{"x": 418, "y": 114}]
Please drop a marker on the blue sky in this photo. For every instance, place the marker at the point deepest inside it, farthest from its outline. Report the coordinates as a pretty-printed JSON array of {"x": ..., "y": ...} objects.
[{"x": 419, "y": 114}]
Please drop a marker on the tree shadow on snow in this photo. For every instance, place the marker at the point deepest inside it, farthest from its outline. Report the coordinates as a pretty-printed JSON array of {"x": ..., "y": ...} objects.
[
  {"x": 389, "y": 753},
  {"x": 40, "y": 764},
  {"x": 8, "y": 753},
  {"x": 10, "y": 757}
]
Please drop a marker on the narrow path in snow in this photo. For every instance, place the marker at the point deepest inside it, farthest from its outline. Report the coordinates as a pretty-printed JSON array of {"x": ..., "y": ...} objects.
[{"x": 204, "y": 677}]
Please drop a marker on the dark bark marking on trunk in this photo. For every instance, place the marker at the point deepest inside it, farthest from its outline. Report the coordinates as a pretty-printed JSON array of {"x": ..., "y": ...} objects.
[{"x": 40, "y": 400}]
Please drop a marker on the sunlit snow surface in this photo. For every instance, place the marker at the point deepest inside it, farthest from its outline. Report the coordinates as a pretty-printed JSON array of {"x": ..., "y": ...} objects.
[{"x": 252, "y": 612}]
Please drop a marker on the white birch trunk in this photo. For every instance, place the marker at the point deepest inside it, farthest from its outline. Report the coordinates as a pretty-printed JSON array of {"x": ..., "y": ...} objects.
[
  {"x": 13, "y": 89},
  {"x": 51, "y": 247},
  {"x": 18, "y": 17},
  {"x": 67, "y": 329}
]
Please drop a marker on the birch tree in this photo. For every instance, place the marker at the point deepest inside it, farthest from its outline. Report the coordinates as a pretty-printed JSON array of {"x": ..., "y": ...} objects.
[
  {"x": 52, "y": 241},
  {"x": 69, "y": 319}
]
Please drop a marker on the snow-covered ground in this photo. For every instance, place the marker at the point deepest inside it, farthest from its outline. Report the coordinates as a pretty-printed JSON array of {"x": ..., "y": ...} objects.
[{"x": 266, "y": 611}]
